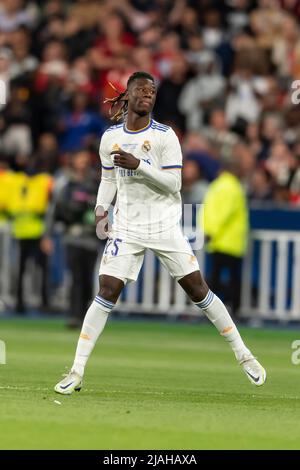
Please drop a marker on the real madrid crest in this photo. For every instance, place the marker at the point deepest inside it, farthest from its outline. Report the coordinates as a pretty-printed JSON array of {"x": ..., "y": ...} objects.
[{"x": 146, "y": 146}]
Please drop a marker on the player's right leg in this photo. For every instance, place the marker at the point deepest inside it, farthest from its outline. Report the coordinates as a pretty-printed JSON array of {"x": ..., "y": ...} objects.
[
  {"x": 93, "y": 325},
  {"x": 121, "y": 262}
]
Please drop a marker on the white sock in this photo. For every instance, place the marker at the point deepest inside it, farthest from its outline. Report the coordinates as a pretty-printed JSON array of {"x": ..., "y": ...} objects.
[
  {"x": 217, "y": 313},
  {"x": 93, "y": 325}
]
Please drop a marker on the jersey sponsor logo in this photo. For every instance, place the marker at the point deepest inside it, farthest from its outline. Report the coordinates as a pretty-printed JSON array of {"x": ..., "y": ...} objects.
[
  {"x": 123, "y": 172},
  {"x": 115, "y": 147},
  {"x": 130, "y": 147},
  {"x": 146, "y": 146}
]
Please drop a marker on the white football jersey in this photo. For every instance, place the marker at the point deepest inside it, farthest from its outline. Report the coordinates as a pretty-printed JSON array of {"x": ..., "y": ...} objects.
[{"x": 142, "y": 210}]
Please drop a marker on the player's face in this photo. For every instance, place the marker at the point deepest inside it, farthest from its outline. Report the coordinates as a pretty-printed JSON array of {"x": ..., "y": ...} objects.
[{"x": 141, "y": 96}]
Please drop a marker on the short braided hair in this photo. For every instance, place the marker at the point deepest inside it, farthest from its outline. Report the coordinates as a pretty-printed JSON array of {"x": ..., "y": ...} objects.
[{"x": 120, "y": 100}]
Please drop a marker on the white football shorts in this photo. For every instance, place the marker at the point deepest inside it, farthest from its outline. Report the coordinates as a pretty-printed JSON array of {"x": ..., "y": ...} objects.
[{"x": 123, "y": 259}]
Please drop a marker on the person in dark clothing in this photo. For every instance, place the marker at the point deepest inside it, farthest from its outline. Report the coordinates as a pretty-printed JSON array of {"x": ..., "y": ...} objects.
[
  {"x": 31, "y": 249},
  {"x": 168, "y": 94},
  {"x": 232, "y": 290},
  {"x": 80, "y": 125}
]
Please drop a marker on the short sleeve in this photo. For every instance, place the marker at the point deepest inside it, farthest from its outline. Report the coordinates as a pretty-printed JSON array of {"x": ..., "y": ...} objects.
[{"x": 171, "y": 151}]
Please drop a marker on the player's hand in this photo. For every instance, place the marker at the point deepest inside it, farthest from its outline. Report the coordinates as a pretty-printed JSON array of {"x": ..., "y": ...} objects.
[
  {"x": 125, "y": 160},
  {"x": 99, "y": 218},
  {"x": 101, "y": 221}
]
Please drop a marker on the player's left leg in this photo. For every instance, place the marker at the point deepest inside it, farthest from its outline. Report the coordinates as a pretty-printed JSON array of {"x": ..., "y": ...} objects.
[{"x": 199, "y": 292}]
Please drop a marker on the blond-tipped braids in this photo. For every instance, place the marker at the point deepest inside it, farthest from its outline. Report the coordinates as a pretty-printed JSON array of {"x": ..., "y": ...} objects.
[{"x": 117, "y": 100}]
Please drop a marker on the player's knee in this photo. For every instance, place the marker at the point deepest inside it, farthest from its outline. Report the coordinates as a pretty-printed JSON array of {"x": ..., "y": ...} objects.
[
  {"x": 198, "y": 292},
  {"x": 109, "y": 293}
]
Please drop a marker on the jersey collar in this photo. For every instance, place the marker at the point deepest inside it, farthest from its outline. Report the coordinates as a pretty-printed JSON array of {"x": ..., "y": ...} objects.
[{"x": 137, "y": 131}]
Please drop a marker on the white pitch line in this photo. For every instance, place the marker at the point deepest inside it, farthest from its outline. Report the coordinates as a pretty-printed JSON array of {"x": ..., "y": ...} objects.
[{"x": 39, "y": 389}]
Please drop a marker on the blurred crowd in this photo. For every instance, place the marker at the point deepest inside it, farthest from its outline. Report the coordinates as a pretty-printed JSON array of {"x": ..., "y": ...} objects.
[{"x": 225, "y": 73}]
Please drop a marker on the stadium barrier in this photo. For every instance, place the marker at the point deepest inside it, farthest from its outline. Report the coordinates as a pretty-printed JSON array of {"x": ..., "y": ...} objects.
[
  {"x": 271, "y": 276},
  {"x": 270, "y": 280}
]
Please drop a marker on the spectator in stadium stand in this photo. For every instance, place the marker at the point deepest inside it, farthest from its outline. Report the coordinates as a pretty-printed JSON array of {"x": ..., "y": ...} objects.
[
  {"x": 262, "y": 185},
  {"x": 166, "y": 109},
  {"x": 280, "y": 163},
  {"x": 286, "y": 50},
  {"x": 47, "y": 153},
  {"x": 49, "y": 86},
  {"x": 15, "y": 13},
  {"x": 240, "y": 60},
  {"x": 16, "y": 119},
  {"x": 219, "y": 134},
  {"x": 197, "y": 149},
  {"x": 194, "y": 186},
  {"x": 224, "y": 220},
  {"x": 202, "y": 93},
  {"x": 80, "y": 125},
  {"x": 24, "y": 64},
  {"x": 80, "y": 77},
  {"x": 242, "y": 101},
  {"x": 111, "y": 46}
]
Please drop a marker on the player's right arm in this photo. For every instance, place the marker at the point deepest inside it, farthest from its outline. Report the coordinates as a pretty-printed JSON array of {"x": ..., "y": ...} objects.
[
  {"x": 168, "y": 177},
  {"x": 108, "y": 185}
]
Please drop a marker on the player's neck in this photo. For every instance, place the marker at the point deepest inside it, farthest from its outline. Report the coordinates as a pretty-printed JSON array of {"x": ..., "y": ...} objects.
[{"x": 134, "y": 122}]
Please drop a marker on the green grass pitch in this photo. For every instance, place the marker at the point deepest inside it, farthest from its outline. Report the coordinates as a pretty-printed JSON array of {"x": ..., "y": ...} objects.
[{"x": 148, "y": 385}]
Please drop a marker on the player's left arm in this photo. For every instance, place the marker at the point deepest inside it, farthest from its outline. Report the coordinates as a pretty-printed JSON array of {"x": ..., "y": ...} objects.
[{"x": 168, "y": 178}]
